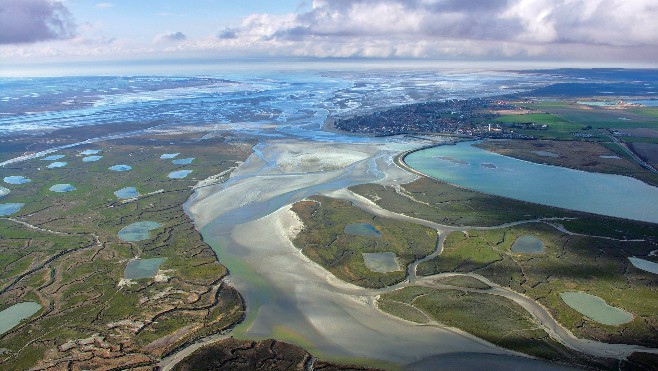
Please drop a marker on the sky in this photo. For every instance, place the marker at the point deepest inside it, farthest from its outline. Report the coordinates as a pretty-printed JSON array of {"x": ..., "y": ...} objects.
[{"x": 612, "y": 32}]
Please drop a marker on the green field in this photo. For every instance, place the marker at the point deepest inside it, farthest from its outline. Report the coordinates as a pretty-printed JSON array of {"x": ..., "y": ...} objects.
[
  {"x": 324, "y": 241},
  {"x": 73, "y": 264}
]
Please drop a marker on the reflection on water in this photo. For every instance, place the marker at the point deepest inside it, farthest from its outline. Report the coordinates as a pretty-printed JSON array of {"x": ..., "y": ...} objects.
[{"x": 605, "y": 194}]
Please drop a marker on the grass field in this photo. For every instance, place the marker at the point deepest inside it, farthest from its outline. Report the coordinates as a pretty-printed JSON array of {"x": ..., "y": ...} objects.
[
  {"x": 73, "y": 264},
  {"x": 324, "y": 241}
]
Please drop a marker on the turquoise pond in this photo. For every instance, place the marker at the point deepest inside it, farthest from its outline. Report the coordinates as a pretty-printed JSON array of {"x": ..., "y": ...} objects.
[
  {"x": 143, "y": 268},
  {"x": 57, "y": 164},
  {"x": 183, "y": 161},
  {"x": 604, "y": 194},
  {"x": 8, "y": 209},
  {"x": 16, "y": 179},
  {"x": 91, "y": 158},
  {"x": 4, "y": 191},
  {"x": 165, "y": 156},
  {"x": 61, "y": 188},
  {"x": 180, "y": 174},
  {"x": 12, "y": 316},
  {"x": 381, "y": 262},
  {"x": 645, "y": 265},
  {"x": 138, "y": 231},
  {"x": 90, "y": 152},
  {"x": 128, "y": 192},
  {"x": 120, "y": 168},
  {"x": 52, "y": 158},
  {"x": 528, "y": 245},
  {"x": 596, "y": 309},
  {"x": 362, "y": 229}
]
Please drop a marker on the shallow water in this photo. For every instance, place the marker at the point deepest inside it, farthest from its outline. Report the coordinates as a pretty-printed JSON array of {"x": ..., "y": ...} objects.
[
  {"x": 120, "y": 168},
  {"x": 16, "y": 179},
  {"x": 528, "y": 245},
  {"x": 91, "y": 158},
  {"x": 381, "y": 262},
  {"x": 143, "y": 268},
  {"x": 138, "y": 231},
  {"x": 169, "y": 155},
  {"x": 11, "y": 208},
  {"x": 52, "y": 158},
  {"x": 183, "y": 161},
  {"x": 179, "y": 174},
  {"x": 605, "y": 194},
  {"x": 58, "y": 164},
  {"x": 645, "y": 265},
  {"x": 596, "y": 309},
  {"x": 90, "y": 152},
  {"x": 12, "y": 316},
  {"x": 362, "y": 229},
  {"x": 62, "y": 188},
  {"x": 127, "y": 192}
]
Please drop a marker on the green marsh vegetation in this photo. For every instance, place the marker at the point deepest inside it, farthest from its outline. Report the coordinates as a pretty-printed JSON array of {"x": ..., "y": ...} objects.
[
  {"x": 324, "y": 241},
  {"x": 62, "y": 251}
]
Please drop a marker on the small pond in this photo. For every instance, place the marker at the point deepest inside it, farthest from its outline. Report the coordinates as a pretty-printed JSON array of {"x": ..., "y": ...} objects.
[
  {"x": 645, "y": 265},
  {"x": 8, "y": 209},
  {"x": 61, "y": 188},
  {"x": 180, "y": 174},
  {"x": 90, "y": 152},
  {"x": 17, "y": 179},
  {"x": 52, "y": 158},
  {"x": 183, "y": 161},
  {"x": 13, "y": 315},
  {"x": 165, "y": 156},
  {"x": 138, "y": 231},
  {"x": 128, "y": 192},
  {"x": 120, "y": 168},
  {"x": 4, "y": 191},
  {"x": 54, "y": 165},
  {"x": 362, "y": 229},
  {"x": 143, "y": 268},
  {"x": 91, "y": 158},
  {"x": 528, "y": 245},
  {"x": 381, "y": 262},
  {"x": 596, "y": 309}
]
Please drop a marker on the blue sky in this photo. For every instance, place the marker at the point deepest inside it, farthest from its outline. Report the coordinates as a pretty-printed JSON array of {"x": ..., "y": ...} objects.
[{"x": 594, "y": 32}]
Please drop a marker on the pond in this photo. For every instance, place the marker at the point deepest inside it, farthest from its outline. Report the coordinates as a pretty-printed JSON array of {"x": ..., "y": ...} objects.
[
  {"x": 128, "y": 192},
  {"x": 596, "y": 309},
  {"x": 381, "y": 262},
  {"x": 16, "y": 179},
  {"x": 62, "y": 188},
  {"x": 143, "y": 268},
  {"x": 138, "y": 231},
  {"x": 52, "y": 158},
  {"x": 54, "y": 165},
  {"x": 362, "y": 229},
  {"x": 90, "y": 152},
  {"x": 645, "y": 265},
  {"x": 4, "y": 191},
  {"x": 8, "y": 209},
  {"x": 528, "y": 245},
  {"x": 12, "y": 316},
  {"x": 606, "y": 194},
  {"x": 120, "y": 168},
  {"x": 183, "y": 161},
  {"x": 91, "y": 158},
  {"x": 165, "y": 156},
  {"x": 180, "y": 174}
]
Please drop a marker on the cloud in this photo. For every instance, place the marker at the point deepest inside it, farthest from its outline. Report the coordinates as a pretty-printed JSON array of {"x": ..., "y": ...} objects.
[
  {"x": 104, "y": 5},
  {"x": 171, "y": 37},
  {"x": 28, "y": 21},
  {"x": 227, "y": 34},
  {"x": 437, "y": 28}
]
